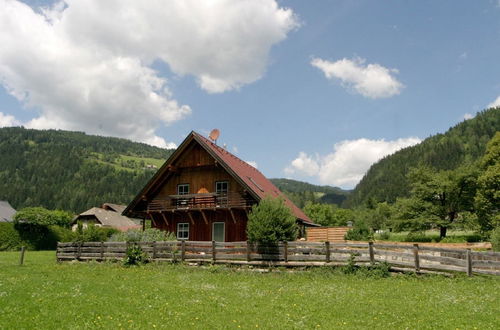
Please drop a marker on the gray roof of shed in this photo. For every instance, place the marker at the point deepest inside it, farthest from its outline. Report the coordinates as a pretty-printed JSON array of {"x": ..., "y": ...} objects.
[
  {"x": 107, "y": 218},
  {"x": 6, "y": 212}
]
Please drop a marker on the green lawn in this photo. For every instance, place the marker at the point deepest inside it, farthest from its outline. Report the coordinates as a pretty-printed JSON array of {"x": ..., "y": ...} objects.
[{"x": 44, "y": 294}]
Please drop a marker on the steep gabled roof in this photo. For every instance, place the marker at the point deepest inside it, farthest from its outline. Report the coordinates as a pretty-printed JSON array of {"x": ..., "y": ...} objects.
[
  {"x": 251, "y": 178},
  {"x": 107, "y": 218},
  {"x": 114, "y": 207},
  {"x": 248, "y": 176},
  {"x": 6, "y": 212}
]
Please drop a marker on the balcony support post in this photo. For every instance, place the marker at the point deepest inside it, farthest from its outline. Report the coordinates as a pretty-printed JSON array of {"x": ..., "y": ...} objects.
[
  {"x": 232, "y": 215},
  {"x": 204, "y": 217},
  {"x": 190, "y": 217}
]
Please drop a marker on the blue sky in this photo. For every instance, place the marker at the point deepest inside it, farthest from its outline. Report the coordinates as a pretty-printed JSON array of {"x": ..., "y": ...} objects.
[{"x": 311, "y": 90}]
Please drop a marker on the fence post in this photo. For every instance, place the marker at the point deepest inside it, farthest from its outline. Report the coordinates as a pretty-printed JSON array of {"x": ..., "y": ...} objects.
[
  {"x": 417, "y": 258},
  {"x": 372, "y": 254},
  {"x": 21, "y": 259},
  {"x": 154, "y": 250},
  {"x": 327, "y": 248},
  {"x": 102, "y": 251},
  {"x": 249, "y": 251},
  {"x": 183, "y": 250},
  {"x": 285, "y": 251},
  {"x": 79, "y": 251},
  {"x": 469, "y": 262},
  {"x": 214, "y": 251}
]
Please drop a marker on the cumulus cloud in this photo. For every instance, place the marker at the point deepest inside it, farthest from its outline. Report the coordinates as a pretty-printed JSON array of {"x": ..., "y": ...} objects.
[
  {"x": 348, "y": 162},
  {"x": 370, "y": 80},
  {"x": 468, "y": 116},
  {"x": 252, "y": 163},
  {"x": 495, "y": 103},
  {"x": 86, "y": 65},
  {"x": 303, "y": 164},
  {"x": 8, "y": 120}
]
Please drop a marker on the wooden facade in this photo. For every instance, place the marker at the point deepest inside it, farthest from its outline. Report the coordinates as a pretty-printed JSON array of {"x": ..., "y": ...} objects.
[{"x": 202, "y": 193}]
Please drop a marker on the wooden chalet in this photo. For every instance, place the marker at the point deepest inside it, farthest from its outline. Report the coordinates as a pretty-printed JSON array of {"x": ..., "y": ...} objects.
[{"x": 204, "y": 193}]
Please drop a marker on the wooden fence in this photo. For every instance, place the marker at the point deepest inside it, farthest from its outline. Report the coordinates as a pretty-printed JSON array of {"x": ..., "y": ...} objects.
[
  {"x": 323, "y": 234},
  {"x": 298, "y": 253}
]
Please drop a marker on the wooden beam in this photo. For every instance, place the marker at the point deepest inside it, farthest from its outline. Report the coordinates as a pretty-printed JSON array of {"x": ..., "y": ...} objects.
[
  {"x": 190, "y": 217},
  {"x": 204, "y": 217},
  {"x": 232, "y": 215},
  {"x": 152, "y": 219},
  {"x": 164, "y": 218}
]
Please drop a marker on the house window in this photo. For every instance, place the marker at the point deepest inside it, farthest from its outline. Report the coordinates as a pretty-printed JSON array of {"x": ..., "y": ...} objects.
[
  {"x": 183, "y": 230},
  {"x": 183, "y": 189},
  {"x": 221, "y": 187}
]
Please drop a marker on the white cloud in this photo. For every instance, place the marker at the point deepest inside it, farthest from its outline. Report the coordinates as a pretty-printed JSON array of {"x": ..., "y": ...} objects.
[
  {"x": 495, "y": 103},
  {"x": 252, "y": 163},
  {"x": 468, "y": 116},
  {"x": 303, "y": 164},
  {"x": 8, "y": 120},
  {"x": 86, "y": 65},
  {"x": 371, "y": 80},
  {"x": 348, "y": 162}
]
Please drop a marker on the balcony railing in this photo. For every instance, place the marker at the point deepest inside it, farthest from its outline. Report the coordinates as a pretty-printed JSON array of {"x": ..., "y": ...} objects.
[{"x": 201, "y": 201}]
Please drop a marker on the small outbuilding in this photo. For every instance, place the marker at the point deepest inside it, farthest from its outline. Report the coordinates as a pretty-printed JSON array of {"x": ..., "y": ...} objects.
[
  {"x": 6, "y": 212},
  {"x": 105, "y": 217}
]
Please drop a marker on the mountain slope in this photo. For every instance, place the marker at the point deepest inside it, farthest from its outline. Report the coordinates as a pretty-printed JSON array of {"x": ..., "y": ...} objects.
[
  {"x": 464, "y": 143},
  {"x": 300, "y": 192},
  {"x": 71, "y": 170}
]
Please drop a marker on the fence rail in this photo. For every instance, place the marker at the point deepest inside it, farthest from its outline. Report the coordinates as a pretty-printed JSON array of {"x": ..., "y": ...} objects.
[{"x": 410, "y": 257}]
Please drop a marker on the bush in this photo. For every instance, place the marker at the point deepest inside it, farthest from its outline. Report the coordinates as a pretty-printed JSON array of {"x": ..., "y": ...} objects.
[
  {"x": 495, "y": 239},
  {"x": 379, "y": 269},
  {"x": 452, "y": 239},
  {"x": 420, "y": 237},
  {"x": 135, "y": 256},
  {"x": 43, "y": 217},
  {"x": 360, "y": 232},
  {"x": 148, "y": 235},
  {"x": 271, "y": 221},
  {"x": 93, "y": 233},
  {"x": 9, "y": 237}
]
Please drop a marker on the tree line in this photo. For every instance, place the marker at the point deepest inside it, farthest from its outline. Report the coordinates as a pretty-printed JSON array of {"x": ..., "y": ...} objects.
[{"x": 57, "y": 169}]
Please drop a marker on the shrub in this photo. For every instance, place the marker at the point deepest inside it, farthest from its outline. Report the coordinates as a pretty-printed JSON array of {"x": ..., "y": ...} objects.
[
  {"x": 43, "y": 217},
  {"x": 419, "y": 237},
  {"x": 360, "y": 232},
  {"x": 148, "y": 235},
  {"x": 452, "y": 239},
  {"x": 93, "y": 233},
  {"x": 271, "y": 221},
  {"x": 62, "y": 234},
  {"x": 379, "y": 269},
  {"x": 495, "y": 239},
  {"x": 135, "y": 256},
  {"x": 9, "y": 237}
]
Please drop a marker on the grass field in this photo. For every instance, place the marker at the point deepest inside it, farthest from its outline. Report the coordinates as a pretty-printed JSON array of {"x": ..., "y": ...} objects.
[{"x": 43, "y": 294}]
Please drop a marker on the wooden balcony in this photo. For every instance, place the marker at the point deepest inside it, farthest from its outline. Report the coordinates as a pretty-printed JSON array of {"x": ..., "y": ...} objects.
[{"x": 201, "y": 201}]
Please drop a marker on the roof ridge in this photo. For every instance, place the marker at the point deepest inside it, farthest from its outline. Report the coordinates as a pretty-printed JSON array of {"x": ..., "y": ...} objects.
[{"x": 221, "y": 149}]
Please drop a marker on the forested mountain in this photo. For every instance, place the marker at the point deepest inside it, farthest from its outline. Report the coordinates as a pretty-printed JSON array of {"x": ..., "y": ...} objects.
[
  {"x": 71, "y": 170},
  {"x": 302, "y": 192},
  {"x": 464, "y": 143}
]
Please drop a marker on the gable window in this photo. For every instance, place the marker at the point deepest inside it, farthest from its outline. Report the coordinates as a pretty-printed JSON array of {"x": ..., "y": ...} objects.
[
  {"x": 221, "y": 187},
  {"x": 183, "y": 189},
  {"x": 183, "y": 230}
]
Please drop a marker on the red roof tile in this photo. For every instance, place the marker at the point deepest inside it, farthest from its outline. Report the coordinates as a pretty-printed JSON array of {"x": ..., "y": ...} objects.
[{"x": 249, "y": 175}]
